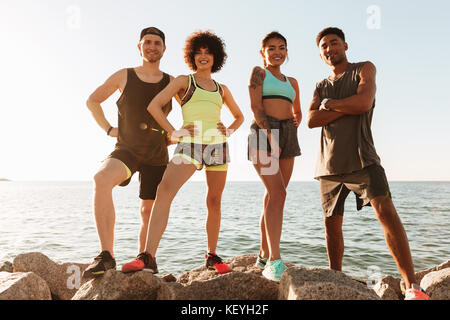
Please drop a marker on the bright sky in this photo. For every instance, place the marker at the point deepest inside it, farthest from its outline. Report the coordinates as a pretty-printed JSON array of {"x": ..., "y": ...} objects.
[{"x": 55, "y": 53}]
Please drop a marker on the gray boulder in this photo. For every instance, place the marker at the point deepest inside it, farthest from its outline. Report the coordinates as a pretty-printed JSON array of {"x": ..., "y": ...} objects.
[
  {"x": 116, "y": 285},
  {"x": 388, "y": 288},
  {"x": 243, "y": 282},
  {"x": 321, "y": 284},
  {"x": 230, "y": 286},
  {"x": 63, "y": 279},
  {"x": 423, "y": 273},
  {"x": 23, "y": 286},
  {"x": 437, "y": 284}
]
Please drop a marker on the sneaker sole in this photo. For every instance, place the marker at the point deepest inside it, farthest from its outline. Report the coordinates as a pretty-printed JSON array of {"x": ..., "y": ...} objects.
[
  {"x": 137, "y": 270},
  {"x": 150, "y": 270},
  {"x": 269, "y": 278},
  {"x": 212, "y": 268}
]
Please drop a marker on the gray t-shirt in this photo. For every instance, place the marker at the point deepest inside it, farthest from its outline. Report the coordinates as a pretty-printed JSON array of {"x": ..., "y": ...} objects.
[{"x": 346, "y": 144}]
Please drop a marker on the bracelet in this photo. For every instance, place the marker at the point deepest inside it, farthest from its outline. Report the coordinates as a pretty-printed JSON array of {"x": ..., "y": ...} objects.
[{"x": 109, "y": 130}]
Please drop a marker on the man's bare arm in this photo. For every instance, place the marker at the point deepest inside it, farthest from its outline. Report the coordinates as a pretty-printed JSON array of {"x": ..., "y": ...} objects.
[
  {"x": 320, "y": 118},
  {"x": 102, "y": 93},
  {"x": 363, "y": 100}
]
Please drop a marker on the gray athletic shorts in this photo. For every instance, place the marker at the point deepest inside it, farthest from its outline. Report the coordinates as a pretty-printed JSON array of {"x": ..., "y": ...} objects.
[
  {"x": 368, "y": 183},
  {"x": 288, "y": 140}
]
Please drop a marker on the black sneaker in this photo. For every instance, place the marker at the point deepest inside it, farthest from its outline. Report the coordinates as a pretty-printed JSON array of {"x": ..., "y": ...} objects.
[
  {"x": 104, "y": 261},
  {"x": 144, "y": 261},
  {"x": 214, "y": 262}
]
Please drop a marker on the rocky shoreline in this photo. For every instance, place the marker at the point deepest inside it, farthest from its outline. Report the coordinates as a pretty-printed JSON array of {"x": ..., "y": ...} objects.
[{"x": 34, "y": 276}]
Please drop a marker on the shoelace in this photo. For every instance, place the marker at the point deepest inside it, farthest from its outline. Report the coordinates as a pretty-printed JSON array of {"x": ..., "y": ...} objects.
[
  {"x": 144, "y": 257},
  {"x": 102, "y": 255}
]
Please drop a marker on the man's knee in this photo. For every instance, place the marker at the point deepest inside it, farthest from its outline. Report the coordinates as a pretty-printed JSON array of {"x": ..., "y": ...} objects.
[
  {"x": 146, "y": 209},
  {"x": 102, "y": 179},
  {"x": 333, "y": 223},
  {"x": 384, "y": 207}
]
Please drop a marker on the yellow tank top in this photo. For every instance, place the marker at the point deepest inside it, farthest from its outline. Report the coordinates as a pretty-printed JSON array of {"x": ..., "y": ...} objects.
[{"x": 202, "y": 108}]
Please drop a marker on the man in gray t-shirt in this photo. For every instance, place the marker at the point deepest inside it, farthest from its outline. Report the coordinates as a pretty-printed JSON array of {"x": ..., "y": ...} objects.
[{"x": 343, "y": 106}]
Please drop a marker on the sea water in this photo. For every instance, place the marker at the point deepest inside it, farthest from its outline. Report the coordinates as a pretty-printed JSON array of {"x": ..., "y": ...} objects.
[{"x": 56, "y": 218}]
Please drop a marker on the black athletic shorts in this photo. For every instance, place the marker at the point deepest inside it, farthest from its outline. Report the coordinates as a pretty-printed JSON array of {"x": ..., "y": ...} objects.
[
  {"x": 149, "y": 176},
  {"x": 366, "y": 184},
  {"x": 287, "y": 138}
]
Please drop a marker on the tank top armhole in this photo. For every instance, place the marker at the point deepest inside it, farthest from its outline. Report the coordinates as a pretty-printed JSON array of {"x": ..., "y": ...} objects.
[
  {"x": 165, "y": 82},
  {"x": 189, "y": 92},
  {"x": 358, "y": 66},
  {"x": 122, "y": 94},
  {"x": 289, "y": 82},
  {"x": 166, "y": 79},
  {"x": 219, "y": 88}
]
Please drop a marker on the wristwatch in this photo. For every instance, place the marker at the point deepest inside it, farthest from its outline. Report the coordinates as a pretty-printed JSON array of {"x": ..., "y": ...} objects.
[{"x": 322, "y": 104}]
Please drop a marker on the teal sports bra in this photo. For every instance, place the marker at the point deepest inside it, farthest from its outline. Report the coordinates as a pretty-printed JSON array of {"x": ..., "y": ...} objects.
[{"x": 273, "y": 88}]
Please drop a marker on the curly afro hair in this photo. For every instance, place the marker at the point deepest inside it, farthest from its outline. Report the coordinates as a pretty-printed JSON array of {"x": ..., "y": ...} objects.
[{"x": 205, "y": 39}]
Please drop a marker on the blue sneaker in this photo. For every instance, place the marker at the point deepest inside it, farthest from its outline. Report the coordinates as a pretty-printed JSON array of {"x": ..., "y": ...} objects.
[
  {"x": 274, "y": 270},
  {"x": 261, "y": 262}
]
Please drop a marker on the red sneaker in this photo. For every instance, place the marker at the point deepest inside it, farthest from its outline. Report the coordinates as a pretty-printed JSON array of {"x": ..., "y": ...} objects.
[
  {"x": 144, "y": 261},
  {"x": 416, "y": 293},
  {"x": 213, "y": 261}
]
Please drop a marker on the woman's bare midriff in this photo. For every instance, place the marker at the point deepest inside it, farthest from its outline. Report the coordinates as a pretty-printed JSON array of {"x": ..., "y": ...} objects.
[{"x": 278, "y": 108}]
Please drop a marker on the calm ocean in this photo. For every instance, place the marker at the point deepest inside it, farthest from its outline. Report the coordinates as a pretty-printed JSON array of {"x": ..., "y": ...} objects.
[{"x": 56, "y": 218}]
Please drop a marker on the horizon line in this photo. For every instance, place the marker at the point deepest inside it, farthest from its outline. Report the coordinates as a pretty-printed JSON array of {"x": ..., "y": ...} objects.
[{"x": 196, "y": 180}]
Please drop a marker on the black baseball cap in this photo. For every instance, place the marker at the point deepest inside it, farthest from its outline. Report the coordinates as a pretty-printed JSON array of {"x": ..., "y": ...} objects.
[{"x": 155, "y": 31}]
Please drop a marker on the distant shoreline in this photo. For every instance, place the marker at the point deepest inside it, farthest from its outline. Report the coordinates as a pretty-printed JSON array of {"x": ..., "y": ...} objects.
[{"x": 3, "y": 179}]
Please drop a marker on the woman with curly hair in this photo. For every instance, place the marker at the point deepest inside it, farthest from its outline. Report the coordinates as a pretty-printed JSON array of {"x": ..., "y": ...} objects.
[
  {"x": 201, "y": 142},
  {"x": 273, "y": 144}
]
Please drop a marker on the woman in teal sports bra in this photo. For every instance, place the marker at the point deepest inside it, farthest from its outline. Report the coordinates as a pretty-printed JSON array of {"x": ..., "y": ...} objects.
[
  {"x": 273, "y": 144},
  {"x": 201, "y": 142}
]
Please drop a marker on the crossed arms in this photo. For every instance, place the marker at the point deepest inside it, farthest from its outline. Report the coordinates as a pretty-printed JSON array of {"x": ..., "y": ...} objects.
[{"x": 359, "y": 103}]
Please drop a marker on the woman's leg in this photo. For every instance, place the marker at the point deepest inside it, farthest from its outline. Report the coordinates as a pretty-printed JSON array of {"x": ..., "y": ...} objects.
[
  {"x": 286, "y": 168},
  {"x": 216, "y": 183},
  {"x": 273, "y": 212},
  {"x": 174, "y": 178}
]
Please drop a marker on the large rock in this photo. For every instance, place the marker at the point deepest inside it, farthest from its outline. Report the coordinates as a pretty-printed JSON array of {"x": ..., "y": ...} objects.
[
  {"x": 230, "y": 286},
  {"x": 437, "y": 284},
  {"x": 243, "y": 282},
  {"x": 244, "y": 263},
  {"x": 388, "y": 288},
  {"x": 321, "y": 284},
  {"x": 423, "y": 273},
  {"x": 116, "y": 285},
  {"x": 23, "y": 286},
  {"x": 64, "y": 279}
]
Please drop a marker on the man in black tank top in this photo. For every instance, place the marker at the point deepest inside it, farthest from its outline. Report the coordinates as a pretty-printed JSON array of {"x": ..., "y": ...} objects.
[
  {"x": 343, "y": 105},
  {"x": 141, "y": 143}
]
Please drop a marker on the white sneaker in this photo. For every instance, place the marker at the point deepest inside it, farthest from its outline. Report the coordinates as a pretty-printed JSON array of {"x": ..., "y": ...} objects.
[{"x": 274, "y": 270}]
